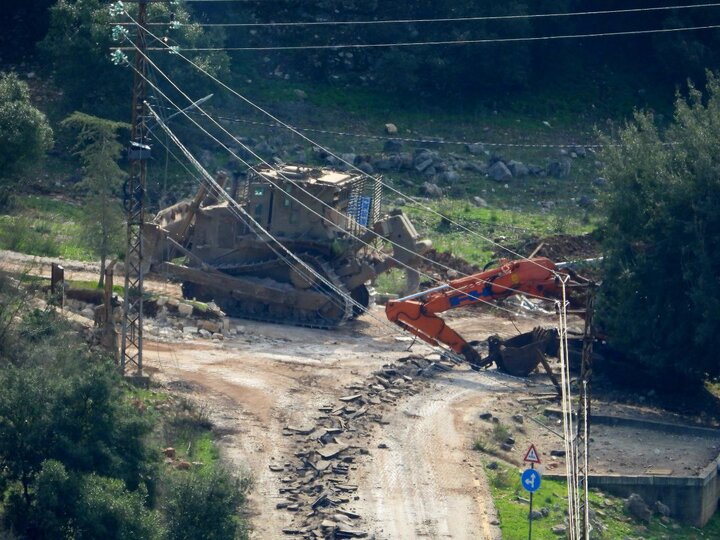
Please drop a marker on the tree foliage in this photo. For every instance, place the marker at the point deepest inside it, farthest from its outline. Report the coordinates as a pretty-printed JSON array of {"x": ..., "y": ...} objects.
[
  {"x": 75, "y": 456},
  {"x": 99, "y": 150},
  {"x": 203, "y": 504},
  {"x": 25, "y": 134},
  {"x": 661, "y": 300},
  {"x": 78, "y": 46}
]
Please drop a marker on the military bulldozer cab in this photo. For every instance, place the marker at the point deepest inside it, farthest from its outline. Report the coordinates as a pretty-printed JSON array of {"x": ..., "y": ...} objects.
[{"x": 322, "y": 216}]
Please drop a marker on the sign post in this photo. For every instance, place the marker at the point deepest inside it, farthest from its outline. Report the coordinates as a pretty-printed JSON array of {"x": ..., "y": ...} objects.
[{"x": 531, "y": 480}]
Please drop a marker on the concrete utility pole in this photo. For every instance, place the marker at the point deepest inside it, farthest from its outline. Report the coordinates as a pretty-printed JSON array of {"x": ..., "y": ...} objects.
[{"x": 134, "y": 199}]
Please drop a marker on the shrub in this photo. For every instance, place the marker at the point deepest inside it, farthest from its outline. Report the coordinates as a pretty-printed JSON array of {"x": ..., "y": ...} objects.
[{"x": 204, "y": 504}]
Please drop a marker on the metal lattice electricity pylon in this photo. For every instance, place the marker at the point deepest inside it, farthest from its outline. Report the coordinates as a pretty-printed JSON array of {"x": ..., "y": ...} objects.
[
  {"x": 134, "y": 200},
  {"x": 583, "y": 426}
]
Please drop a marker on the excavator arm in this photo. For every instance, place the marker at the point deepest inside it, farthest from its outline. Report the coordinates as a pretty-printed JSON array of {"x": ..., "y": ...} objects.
[{"x": 418, "y": 313}]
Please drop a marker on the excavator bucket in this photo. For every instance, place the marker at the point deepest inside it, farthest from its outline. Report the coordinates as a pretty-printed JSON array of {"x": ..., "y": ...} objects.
[{"x": 521, "y": 354}]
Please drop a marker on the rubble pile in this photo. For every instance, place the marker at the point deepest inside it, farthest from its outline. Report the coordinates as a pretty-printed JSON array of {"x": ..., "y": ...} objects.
[{"x": 317, "y": 488}]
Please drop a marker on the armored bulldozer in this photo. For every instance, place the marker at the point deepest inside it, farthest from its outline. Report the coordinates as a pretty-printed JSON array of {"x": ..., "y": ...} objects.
[{"x": 322, "y": 216}]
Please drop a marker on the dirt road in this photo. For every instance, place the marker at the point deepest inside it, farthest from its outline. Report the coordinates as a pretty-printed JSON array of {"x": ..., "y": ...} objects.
[{"x": 427, "y": 483}]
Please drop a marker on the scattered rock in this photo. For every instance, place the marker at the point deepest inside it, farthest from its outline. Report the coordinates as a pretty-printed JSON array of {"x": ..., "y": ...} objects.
[
  {"x": 585, "y": 202},
  {"x": 600, "y": 181},
  {"x": 518, "y": 169},
  {"x": 487, "y": 415},
  {"x": 662, "y": 508},
  {"x": 636, "y": 507},
  {"x": 505, "y": 447},
  {"x": 519, "y": 418},
  {"x": 475, "y": 149},
  {"x": 188, "y": 330},
  {"x": 169, "y": 452},
  {"x": 183, "y": 465},
  {"x": 493, "y": 465},
  {"x": 535, "y": 515},
  {"x": 559, "y": 168},
  {"x": 300, "y": 94},
  {"x": 391, "y": 129},
  {"x": 431, "y": 190},
  {"x": 204, "y": 333},
  {"x": 559, "y": 529},
  {"x": 211, "y": 326},
  {"x": 184, "y": 309},
  {"x": 480, "y": 202},
  {"x": 557, "y": 453}
]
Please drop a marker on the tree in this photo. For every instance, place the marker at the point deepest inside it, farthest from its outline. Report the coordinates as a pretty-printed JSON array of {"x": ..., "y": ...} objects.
[
  {"x": 25, "y": 134},
  {"x": 660, "y": 297},
  {"x": 98, "y": 149},
  {"x": 79, "y": 42}
]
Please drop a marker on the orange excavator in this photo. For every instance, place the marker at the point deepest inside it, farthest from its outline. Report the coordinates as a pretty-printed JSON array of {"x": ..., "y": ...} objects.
[{"x": 537, "y": 277}]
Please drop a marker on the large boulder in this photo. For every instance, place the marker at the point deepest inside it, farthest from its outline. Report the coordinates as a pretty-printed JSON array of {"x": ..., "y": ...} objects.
[
  {"x": 518, "y": 169},
  {"x": 499, "y": 172}
]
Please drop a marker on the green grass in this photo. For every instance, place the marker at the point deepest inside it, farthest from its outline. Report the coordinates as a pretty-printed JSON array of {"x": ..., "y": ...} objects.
[
  {"x": 505, "y": 226},
  {"x": 46, "y": 227},
  {"x": 513, "y": 513},
  {"x": 92, "y": 285},
  {"x": 180, "y": 425}
]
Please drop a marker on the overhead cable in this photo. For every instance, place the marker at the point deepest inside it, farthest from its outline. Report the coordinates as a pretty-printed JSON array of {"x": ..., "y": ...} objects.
[
  {"x": 301, "y": 188},
  {"x": 448, "y": 19},
  {"x": 437, "y": 42},
  {"x": 339, "y": 158}
]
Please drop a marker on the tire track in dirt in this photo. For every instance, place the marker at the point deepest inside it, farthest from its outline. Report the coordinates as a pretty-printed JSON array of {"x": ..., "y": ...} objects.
[{"x": 426, "y": 484}]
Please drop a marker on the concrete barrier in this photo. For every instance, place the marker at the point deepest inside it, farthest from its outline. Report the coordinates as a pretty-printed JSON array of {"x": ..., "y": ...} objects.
[{"x": 691, "y": 499}]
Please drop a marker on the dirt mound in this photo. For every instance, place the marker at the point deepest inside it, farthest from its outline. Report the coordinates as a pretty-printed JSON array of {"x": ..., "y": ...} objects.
[
  {"x": 560, "y": 247},
  {"x": 458, "y": 264}
]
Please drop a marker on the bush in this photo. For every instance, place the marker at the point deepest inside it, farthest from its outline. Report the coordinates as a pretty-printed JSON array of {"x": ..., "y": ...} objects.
[
  {"x": 204, "y": 504},
  {"x": 659, "y": 302},
  {"x": 25, "y": 134}
]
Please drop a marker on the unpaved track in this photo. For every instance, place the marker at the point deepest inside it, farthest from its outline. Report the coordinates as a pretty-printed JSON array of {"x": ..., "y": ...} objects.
[{"x": 426, "y": 484}]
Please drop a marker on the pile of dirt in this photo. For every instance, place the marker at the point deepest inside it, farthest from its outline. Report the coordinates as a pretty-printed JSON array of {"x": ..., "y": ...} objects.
[
  {"x": 560, "y": 247},
  {"x": 458, "y": 265}
]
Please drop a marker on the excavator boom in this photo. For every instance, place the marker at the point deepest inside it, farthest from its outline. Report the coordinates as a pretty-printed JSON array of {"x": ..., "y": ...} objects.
[{"x": 418, "y": 313}]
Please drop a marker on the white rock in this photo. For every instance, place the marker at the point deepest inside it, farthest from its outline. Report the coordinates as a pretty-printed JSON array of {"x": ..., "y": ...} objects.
[
  {"x": 204, "y": 333},
  {"x": 189, "y": 330},
  {"x": 185, "y": 309}
]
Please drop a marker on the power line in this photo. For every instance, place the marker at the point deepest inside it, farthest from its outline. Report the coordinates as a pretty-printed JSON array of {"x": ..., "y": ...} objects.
[
  {"x": 446, "y": 19},
  {"x": 401, "y": 263},
  {"x": 351, "y": 165},
  {"x": 435, "y": 43},
  {"x": 314, "y": 197}
]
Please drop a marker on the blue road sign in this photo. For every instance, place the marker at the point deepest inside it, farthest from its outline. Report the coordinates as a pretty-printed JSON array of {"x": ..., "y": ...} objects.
[{"x": 530, "y": 480}]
